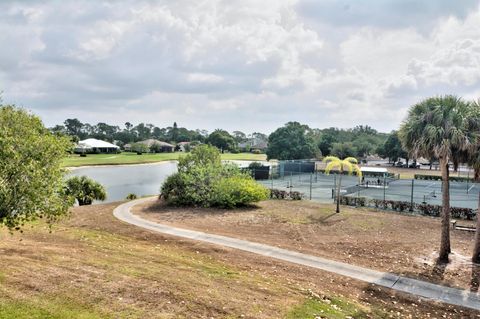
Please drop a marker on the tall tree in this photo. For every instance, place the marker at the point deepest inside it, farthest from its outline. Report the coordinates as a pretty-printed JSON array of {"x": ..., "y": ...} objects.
[
  {"x": 440, "y": 127},
  {"x": 31, "y": 177},
  {"x": 393, "y": 148},
  {"x": 221, "y": 139},
  {"x": 291, "y": 141},
  {"x": 343, "y": 150},
  {"x": 73, "y": 127},
  {"x": 174, "y": 133}
]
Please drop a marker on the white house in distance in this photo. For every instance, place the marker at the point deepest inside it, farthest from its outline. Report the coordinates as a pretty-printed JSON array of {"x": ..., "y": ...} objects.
[{"x": 92, "y": 145}]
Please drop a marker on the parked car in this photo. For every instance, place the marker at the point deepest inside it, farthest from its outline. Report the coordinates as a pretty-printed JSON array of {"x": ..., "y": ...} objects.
[
  {"x": 399, "y": 164},
  {"x": 414, "y": 165}
]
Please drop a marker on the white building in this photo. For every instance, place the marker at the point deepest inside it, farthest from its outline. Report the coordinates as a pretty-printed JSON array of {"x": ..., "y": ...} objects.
[{"x": 92, "y": 145}]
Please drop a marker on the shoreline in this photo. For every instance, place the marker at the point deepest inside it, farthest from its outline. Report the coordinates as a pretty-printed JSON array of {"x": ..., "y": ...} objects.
[{"x": 72, "y": 168}]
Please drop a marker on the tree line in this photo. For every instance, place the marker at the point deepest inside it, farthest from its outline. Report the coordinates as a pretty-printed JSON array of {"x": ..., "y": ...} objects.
[
  {"x": 293, "y": 141},
  {"x": 298, "y": 141}
]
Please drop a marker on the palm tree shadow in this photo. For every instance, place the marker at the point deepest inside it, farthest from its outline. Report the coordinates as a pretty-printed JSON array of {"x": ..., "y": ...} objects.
[
  {"x": 475, "y": 278},
  {"x": 321, "y": 219},
  {"x": 436, "y": 271}
]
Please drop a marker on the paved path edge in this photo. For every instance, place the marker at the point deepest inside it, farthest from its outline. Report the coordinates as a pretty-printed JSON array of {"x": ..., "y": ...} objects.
[{"x": 412, "y": 286}]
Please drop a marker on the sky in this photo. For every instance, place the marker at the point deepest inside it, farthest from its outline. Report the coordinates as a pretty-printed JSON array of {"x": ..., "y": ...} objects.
[{"x": 238, "y": 65}]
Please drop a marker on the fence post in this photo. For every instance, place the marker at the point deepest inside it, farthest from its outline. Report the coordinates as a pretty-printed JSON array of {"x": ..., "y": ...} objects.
[
  {"x": 411, "y": 196},
  {"x": 468, "y": 176},
  {"x": 300, "y": 171},
  {"x": 311, "y": 185},
  {"x": 384, "y": 190},
  {"x": 271, "y": 177}
]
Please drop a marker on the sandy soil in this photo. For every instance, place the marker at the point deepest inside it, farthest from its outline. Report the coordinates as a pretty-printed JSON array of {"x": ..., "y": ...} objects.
[
  {"x": 94, "y": 266},
  {"x": 384, "y": 241}
]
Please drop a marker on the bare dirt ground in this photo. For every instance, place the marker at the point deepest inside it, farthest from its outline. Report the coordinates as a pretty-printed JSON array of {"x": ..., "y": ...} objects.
[
  {"x": 94, "y": 266},
  {"x": 384, "y": 241}
]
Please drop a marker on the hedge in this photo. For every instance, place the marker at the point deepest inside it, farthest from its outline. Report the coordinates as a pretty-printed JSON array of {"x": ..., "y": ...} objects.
[
  {"x": 366, "y": 174},
  {"x": 281, "y": 194},
  {"x": 401, "y": 206},
  {"x": 439, "y": 178}
]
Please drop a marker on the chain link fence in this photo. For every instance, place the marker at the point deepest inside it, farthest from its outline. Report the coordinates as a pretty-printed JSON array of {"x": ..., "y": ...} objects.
[{"x": 373, "y": 189}]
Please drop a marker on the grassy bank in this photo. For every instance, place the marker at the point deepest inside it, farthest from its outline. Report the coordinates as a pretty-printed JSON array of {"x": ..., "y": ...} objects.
[
  {"x": 93, "y": 266},
  {"x": 132, "y": 158}
]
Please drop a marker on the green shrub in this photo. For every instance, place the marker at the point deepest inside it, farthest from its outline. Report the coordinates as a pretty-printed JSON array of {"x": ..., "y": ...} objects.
[
  {"x": 85, "y": 190},
  {"x": 140, "y": 148},
  {"x": 439, "y": 178},
  {"x": 131, "y": 196},
  {"x": 202, "y": 180},
  {"x": 402, "y": 206},
  {"x": 281, "y": 194},
  {"x": 237, "y": 190}
]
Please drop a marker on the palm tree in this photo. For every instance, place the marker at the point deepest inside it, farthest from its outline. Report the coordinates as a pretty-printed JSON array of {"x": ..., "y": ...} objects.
[
  {"x": 347, "y": 165},
  {"x": 85, "y": 190},
  {"x": 441, "y": 127}
]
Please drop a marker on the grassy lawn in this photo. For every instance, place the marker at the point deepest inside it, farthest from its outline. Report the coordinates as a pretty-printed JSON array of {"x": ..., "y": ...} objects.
[
  {"x": 133, "y": 158},
  {"x": 94, "y": 266}
]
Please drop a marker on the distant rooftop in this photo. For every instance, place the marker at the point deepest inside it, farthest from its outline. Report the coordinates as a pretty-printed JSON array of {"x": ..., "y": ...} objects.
[{"x": 94, "y": 143}]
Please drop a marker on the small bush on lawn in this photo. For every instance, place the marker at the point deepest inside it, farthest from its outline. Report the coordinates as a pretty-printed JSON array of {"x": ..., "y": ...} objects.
[
  {"x": 281, "y": 194},
  {"x": 237, "y": 191},
  {"x": 131, "y": 196},
  {"x": 202, "y": 180}
]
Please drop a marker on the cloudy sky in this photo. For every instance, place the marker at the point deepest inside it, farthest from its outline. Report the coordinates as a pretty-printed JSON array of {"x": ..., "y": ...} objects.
[{"x": 238, "y": 65}]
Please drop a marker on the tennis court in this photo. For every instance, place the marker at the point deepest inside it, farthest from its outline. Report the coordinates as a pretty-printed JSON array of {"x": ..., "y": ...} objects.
[{"x": 319, "y": 186}]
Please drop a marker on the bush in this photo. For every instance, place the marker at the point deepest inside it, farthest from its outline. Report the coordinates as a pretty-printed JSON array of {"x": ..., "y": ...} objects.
[
  {"x": 131, "y": 196},
  {"x": 401, "y": 206},
  {"x": 278, "y": 194},
  {"x": 281, "y": 194},
  {"x": 439, "y": 178},
  {"x": 237, "y": 191},
  {"x": 85, "y": 190},
  {"x": 140, "y": 148},
  {"x": 202, "y": 180}
]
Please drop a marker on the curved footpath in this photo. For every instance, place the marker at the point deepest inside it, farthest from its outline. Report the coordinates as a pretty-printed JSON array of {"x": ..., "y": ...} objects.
[{"x": 404, "y": 284}]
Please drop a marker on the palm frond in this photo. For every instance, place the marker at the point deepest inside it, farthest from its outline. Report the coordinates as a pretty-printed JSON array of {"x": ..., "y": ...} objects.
[{"x": 327, "y": 159}]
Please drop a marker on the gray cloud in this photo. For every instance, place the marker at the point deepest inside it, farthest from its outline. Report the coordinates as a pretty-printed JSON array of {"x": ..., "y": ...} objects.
[{"x": 249, "y": 67}]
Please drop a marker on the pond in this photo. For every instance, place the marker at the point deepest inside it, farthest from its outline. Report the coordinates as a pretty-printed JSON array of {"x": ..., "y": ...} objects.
[
  {"x": 121, "y": 180},
  {"x": 142, "y": 180}
]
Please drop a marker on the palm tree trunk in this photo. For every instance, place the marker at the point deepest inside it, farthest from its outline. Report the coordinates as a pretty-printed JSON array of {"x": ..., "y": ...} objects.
[
  {"x": 476, "y": 249},
  {"x": 445, "y": 237},
  {"x": 338, "y": 192}
]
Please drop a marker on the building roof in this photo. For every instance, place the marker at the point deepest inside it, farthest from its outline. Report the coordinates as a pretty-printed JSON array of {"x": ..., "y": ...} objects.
[
  {"x": 152, "y": 141},
  {"x": 94, "y": 143},
  {"x": 373, "y": 169}
]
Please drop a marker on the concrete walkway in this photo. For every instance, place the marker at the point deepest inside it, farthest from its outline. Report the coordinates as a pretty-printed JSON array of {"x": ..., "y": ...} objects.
[{"x": 404, "y": 284}]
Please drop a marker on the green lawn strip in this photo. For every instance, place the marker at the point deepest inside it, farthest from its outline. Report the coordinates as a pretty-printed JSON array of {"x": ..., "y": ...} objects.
[
  {"x": 47, "y": 307},
  {"x": 332, "y": 308},
  {"x": 132, "y": 158}
]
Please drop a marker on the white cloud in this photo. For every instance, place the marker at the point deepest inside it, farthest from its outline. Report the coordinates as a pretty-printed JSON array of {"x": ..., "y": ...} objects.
[{"x": 248, "y": 66}]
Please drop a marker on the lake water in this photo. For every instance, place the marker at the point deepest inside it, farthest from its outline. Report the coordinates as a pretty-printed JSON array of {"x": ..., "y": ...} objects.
[
  {"x": 142, "y": 180},
  {"x": 122, "y": 180}
]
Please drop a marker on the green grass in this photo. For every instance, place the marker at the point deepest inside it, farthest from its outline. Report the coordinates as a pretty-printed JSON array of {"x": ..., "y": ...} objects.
[
  {"x": 47, "y": 308},
  {"x": 334, "y": 308},
  {"x": 133, "y": 158}
]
